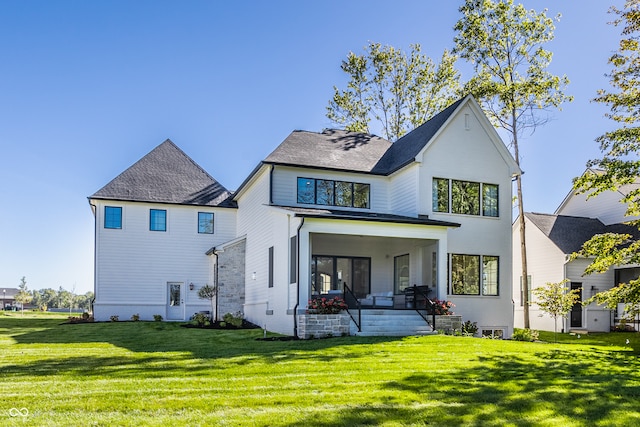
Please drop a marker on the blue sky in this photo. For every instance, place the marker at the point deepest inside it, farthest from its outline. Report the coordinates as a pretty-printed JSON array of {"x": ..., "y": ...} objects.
[{"x": 89, "y": 87}]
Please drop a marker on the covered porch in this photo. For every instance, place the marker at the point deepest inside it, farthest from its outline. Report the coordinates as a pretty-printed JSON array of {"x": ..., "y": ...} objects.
[{"x": 378, "y": 262}]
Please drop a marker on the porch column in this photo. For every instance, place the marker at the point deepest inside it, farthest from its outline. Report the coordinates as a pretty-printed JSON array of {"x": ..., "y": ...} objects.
[
  {"x": 442, "y": 269},
  {"x": 304, "y": 275}
]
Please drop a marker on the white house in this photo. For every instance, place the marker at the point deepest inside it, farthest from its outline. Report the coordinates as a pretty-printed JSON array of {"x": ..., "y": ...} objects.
[
  {"x": 551, "y": 239},
  {"x": 329, "y": 213}
]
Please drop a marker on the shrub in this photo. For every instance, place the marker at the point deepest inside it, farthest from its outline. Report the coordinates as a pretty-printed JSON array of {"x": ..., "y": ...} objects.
[
  {"x": 157, "y": 318},
  {"x": 135, "y": 317},
  {"x": 525, "y": 334},
  {"x": 201, "y": 319},
  {"x": 443, "y": 307},
  {"x": 469, "y": 328},
  {"x": 114, "y": 318},
  {"x": 233, "y": 319},
  {"x": 326, "y": 305}
]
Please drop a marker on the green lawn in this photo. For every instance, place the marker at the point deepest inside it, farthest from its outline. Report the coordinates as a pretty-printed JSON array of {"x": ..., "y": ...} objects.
[{"x": 147, "y": 373}]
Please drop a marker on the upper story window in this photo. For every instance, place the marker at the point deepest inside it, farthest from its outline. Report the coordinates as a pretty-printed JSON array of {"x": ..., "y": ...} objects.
[
  {"x": 158, "y": 220},
  {"x": 205, "y": 222},
  {"x": 465, "y": 197},
  {"x": 112, "y": 217},
  {"x": 333, "y": 193}
]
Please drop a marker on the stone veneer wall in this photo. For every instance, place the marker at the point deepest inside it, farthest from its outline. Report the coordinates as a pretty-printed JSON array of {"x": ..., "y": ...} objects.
[
  {"x": 323, "y": 325},
  {"x": 231, "y": 279},
  {"x": 448, "y": 323}
]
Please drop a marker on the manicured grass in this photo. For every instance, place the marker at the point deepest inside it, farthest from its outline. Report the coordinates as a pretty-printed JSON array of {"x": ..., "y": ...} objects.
[{"x": 151, "y": 374}]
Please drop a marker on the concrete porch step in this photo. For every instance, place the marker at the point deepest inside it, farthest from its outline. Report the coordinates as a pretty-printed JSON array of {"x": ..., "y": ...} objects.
[{"x": 378, "y": 322}]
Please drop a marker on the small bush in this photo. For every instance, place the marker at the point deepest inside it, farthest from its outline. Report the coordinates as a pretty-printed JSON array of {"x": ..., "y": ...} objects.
[
  {"x": 233, "y": 319},
  {"x": 469, "y": 328},
  {"x": 201, "y": 319},
  {"x": 157, "y": 318},
  {"x": 114, "y": 318},
  {"x": 525, "y": 334},
  {"x": 135, "y": 317}
]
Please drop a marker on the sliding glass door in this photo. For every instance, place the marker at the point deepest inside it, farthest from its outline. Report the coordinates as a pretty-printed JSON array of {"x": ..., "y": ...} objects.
[{"x": 329, "y": 273}]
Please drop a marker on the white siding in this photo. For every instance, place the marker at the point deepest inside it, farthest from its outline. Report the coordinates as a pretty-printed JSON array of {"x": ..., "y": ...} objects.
[
  {"x": 403, "y": 192},
  {"x": 545, "y": 264},
  {"x": 468, "y": 153},
  {"x": 265, "y": 227},
  {"x": 134, "y": 264},
  {"x": 605, "y": 206}
]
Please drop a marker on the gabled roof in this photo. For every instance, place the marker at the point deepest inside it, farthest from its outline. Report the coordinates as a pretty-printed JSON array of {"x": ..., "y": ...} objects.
[
  {"x": 569, "y": 233},
  {"x": 331, "y": 149},
  {"x": 405, "y": 149},
  {"x": 166, "y": 175}
]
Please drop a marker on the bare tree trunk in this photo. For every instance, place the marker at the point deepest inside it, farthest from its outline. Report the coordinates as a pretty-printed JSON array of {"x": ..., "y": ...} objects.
[{"x": 523, "y": 243}]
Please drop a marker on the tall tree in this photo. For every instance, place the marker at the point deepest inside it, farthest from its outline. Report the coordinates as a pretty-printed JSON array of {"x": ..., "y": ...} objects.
[
  {"x": 620, "y": 163},
  {"x": 504, "y": 42},
  {"x": 398, "y": 91},
  {"x": 23, "y": 296}
]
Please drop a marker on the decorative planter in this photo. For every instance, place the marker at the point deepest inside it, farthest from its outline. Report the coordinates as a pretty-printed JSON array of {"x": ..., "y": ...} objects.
[{"x": 323, "y": 325}]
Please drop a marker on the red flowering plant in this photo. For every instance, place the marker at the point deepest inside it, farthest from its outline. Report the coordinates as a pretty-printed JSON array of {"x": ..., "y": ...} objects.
[
  {"x": 443, "y": 307},
  {"x": 326, "y": 305}
]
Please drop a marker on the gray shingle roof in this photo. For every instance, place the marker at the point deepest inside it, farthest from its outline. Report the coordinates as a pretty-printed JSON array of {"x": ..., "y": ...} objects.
[
  {"x": 331, "y": 149},
  {"x": 569, "y": 233},
  {"x": 166, "y": 175},
  {"x": 358, "y": 152},
  {"x": 405, "y": 149}
]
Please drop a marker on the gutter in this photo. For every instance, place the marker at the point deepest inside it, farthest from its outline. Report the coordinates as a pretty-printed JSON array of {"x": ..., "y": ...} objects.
[{"x": 295, "y": 309}]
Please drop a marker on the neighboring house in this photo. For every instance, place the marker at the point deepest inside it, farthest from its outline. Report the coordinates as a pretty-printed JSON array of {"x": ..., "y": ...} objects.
[
  {"x": 324, "y": 213},
  {"x": 9, "y": 298},
  {"x": 551, "y": 239}
]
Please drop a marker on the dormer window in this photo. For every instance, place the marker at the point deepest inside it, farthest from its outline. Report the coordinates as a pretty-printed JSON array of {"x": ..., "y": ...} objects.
[{"x": 328, "y": 192}]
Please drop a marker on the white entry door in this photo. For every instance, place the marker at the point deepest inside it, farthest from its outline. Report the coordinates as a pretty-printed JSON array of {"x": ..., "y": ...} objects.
[{"x": 175, "y": 301}]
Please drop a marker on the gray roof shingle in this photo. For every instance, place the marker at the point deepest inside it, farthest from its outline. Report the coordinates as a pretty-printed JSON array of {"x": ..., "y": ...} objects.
[
  {"x": 357, "y": 152},
  {"x": 331, "y": 149},
  {"x": 166, "y": 175},
  {"x": 569, "y": 233}
]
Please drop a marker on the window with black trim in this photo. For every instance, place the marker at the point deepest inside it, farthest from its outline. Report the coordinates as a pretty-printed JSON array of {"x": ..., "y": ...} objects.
[
  {"x": 293, "y": 259},
  {"x": 327, "y": 192},
  {"x": 474, "y": 274},
  {"x": 113, "y": 217},
  {"x": 157, "y": 220},
  {"x": 464, "y": 197},
  {"x": 205, "y": 222},
  {"x": 271, "y": 267}
]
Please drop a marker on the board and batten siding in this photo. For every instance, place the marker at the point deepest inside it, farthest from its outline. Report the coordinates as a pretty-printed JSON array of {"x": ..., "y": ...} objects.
[
  {"x": 134, "y": 263},
  {"x": 465, "y": 150}
]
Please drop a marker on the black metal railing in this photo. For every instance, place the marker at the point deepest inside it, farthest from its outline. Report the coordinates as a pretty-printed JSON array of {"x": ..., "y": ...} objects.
[
  {"x": 353, "y": 303},
  {"x": 421, "y": 301}
]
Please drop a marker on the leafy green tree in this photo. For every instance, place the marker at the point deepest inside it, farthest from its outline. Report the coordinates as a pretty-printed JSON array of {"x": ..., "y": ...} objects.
[
  {"x": 48, "y": 298},
  {"x": 505, "y": 43},
  {"x": 619, "y": 166},
  {"x": 398, "y": 91},
  {"x": 556, "y": 300},
  {"x": 23, "y": 296},
  {"x": 84, "y": 301}
]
